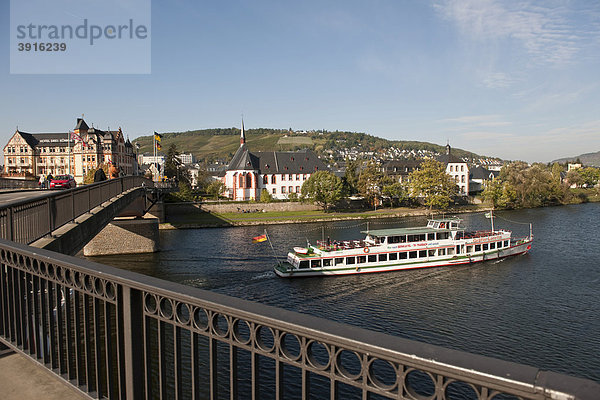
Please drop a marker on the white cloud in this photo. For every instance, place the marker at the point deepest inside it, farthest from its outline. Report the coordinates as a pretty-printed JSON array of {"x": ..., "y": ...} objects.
[{"x": 548, "y": 34}]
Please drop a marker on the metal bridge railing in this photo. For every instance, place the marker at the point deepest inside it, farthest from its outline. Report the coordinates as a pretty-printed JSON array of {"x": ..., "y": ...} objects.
[
  {"x": 26, "y": 221},
  {"x": 120, "y": 335}
]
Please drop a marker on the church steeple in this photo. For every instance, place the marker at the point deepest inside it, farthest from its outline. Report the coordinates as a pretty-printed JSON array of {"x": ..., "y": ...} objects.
[
  {"x": 448, "y": 148},
  {"x": 242, "y": 134}
]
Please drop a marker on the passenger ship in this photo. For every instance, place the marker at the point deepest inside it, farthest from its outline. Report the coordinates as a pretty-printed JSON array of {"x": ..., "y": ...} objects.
[{"x": 443, "y": 242}]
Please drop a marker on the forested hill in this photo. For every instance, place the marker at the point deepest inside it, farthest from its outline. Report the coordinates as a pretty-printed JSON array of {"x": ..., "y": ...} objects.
[
  {"x": 221, "y": 143},
  {"x": 588, "y": 159}
]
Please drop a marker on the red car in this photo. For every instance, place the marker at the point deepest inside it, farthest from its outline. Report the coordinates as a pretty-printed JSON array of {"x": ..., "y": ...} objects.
[{"x": 62, "y": 182}]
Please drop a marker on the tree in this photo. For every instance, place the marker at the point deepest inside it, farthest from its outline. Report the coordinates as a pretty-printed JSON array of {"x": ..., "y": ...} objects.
[
  {"x": 265, "y": 196},
  {"x": 371, "y": 181},
  {"x": 433, "y": 183},
  {"x": 521, "y": 185},
  {"x": 171, "y": 161},
  {"x": 590, "y": 176},
  {"x": 351, "y": 176},
  {"x": 215, "y": 188},
  {"x": 574, "y": 178},
  {"x": 396, "y": 192},
  {"x": 323, "y": 188},
  {"x": 89, "y": 177}
]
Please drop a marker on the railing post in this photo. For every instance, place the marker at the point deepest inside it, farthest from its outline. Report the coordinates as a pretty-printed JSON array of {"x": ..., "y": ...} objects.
[
  {"x": 9, "y": 225},
  {"x": 72, "y": 205},
  {"x": 133, "y": 342},
  {"x": 50, "y": 211}
]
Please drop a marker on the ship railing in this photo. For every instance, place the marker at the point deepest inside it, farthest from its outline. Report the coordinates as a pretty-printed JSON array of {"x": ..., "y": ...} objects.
[
  {"x": 120, "y": 335},
  {"x": 335, "y": 245}
]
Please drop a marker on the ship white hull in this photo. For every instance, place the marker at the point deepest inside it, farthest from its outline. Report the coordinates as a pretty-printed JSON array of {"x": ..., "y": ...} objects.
[{"x": 286, "y": 270}]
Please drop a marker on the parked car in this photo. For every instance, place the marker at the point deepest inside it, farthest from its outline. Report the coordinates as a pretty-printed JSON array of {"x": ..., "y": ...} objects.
[{"x": 62, "y": 182}]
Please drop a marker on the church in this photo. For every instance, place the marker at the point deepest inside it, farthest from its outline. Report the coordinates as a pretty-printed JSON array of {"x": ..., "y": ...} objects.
[{"x": 281, "y": 173}]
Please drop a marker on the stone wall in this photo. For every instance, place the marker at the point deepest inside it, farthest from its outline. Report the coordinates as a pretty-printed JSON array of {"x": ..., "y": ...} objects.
[
  {"x": 178, "y": 208},
  {"x": 125, "y": 236}
]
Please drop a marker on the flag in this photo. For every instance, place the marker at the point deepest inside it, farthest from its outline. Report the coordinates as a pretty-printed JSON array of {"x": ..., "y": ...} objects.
[
  {"x": 158, "y": 146},
  {"x": 259, "y": 239},
  {"x": 75, "y": 136},
  {"x": 488, "y": 215},
  {"x": 157, "y": 137}
]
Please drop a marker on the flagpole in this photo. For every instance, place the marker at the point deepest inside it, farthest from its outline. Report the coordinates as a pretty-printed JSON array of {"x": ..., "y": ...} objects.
[
  {"x": 271, "y": 244},
  {"x": 155, "y": 161},
  {"x": 69, "y": 145}
]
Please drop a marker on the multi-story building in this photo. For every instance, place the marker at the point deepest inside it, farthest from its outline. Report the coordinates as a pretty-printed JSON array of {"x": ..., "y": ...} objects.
[
  {"x": 279, "y": 172},
  {"x": 457, "y": 169},
  {"x": 76, "y": 153}
]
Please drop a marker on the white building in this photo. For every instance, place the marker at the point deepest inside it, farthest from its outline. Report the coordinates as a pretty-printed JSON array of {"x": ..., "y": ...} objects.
[
  {"x": 278, "y": 172},
  {"x": 457, "y": 169}
]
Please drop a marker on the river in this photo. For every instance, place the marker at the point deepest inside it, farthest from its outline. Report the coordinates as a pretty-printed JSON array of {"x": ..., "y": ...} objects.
[{"x": 540, "y": 309}]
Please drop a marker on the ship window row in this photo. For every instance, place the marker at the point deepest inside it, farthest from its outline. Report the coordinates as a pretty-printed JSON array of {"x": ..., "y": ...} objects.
[
  {"x": 418, "y": 237},
  {"x": 374, "y": 258},
  {"x": 488, "y": 246}
]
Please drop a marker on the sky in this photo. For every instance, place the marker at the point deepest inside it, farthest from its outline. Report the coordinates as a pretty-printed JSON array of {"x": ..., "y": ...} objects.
[{"x": 519, "y": 80}]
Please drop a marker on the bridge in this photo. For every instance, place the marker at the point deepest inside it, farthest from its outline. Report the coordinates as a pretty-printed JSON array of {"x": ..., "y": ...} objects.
[{"x": 115, "y": 334}]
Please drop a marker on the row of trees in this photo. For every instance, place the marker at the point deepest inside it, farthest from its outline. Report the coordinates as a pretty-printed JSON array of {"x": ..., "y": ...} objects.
[
  {"x": 430, "y": 182},
  {"x": 521, "y": 185}
]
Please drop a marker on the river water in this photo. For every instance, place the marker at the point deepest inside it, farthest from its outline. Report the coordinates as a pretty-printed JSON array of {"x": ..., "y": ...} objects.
[{"x": 540, "y": 309}]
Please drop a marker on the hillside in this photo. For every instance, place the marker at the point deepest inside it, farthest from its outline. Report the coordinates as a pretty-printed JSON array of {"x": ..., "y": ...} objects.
[
  {"x": 214, "y": 144},
  {"x": 588, "y": 159}
]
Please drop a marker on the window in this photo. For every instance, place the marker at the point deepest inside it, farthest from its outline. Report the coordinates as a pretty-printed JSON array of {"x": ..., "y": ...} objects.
[
  {"x": 442, "y": 235},
  {"x": 451, "y": 168},
  {"x": 403, "y": 255},
  {"x": 393, "y": 256},
  {"x": 485, "y": 246},
  {"x": 441, "y": 252},
  {"x": 462, "y": 179},
  {"x": 303, "y": 264},
  {"x": 362, "y": 259},
  {"x": 297, "y": 189},
  {"x": 413, "y": 254},
  {"x": 274, "y": 190},
  {"x": 477, "y": 247},
  {"x": 506, "y": 243},
  {"x": 431, "y": 253},
  {"x": 383, "y": 257},
  {"x": 450, "y": 251},
  {"x": 327, "y": 262},
  {"x": 492, "y": 246},
  {"x": 290, "y": 176},
  {"x": 283, "y": 189},
  {"x": 462, "y": 169},
  {"x": 422, "y": 253},
  {"x": 315, "y": 263},
  {"x": 297, "y": 177},
  {"x": 350, "y": 260},
  {"x": 469, "y": 249},
  {"x": 291, "y": 189},
  {"x": 265, "y": 180},
  {"x": 339, "y": 261},
  {"x": 273, "y": 181},
  {"x": 372, "y": 258},
  {"x": 431, "y": 236},
  {"x": 283, "y": 177}
]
